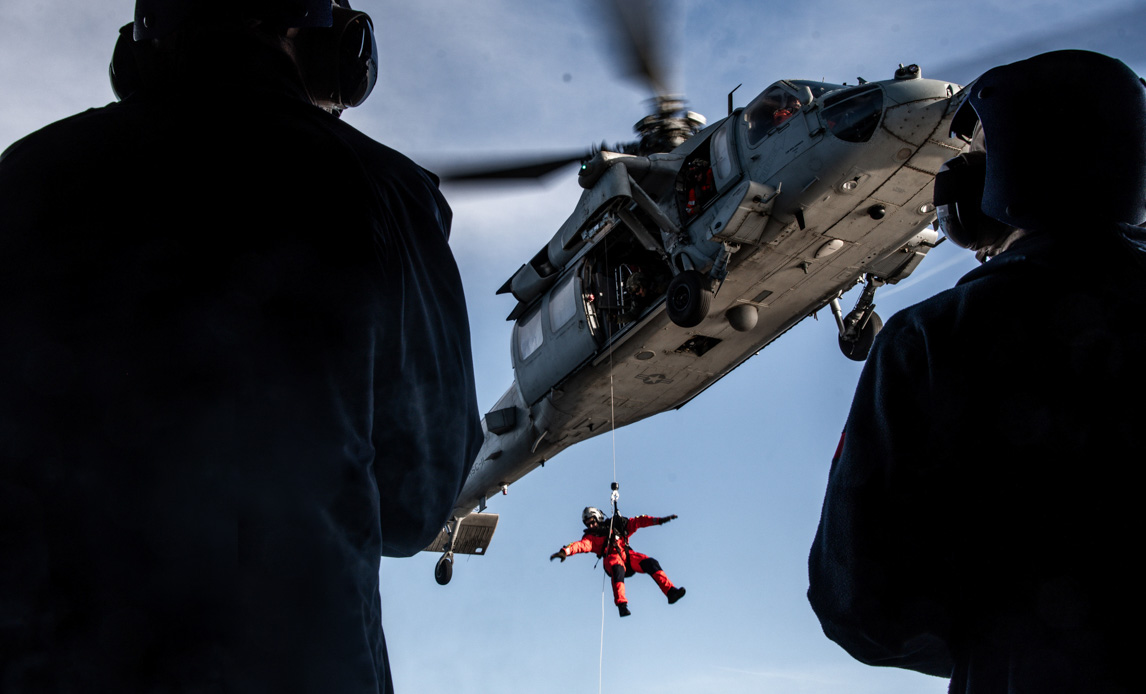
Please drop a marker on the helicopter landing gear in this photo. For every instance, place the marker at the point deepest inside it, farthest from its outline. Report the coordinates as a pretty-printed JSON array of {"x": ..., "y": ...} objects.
[
  {"x": 859, "y": 328},
  {"x": 858, "y": 349},
  {"x": 444, "y": 570},
  {"x": 688, "y": 298},
  {"x": 469, "y": 534}
]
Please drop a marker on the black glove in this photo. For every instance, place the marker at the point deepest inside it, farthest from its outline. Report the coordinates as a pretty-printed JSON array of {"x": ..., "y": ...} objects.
[
  {"x": 558, "y": 555},
  {"x": 666, "y": 519}
]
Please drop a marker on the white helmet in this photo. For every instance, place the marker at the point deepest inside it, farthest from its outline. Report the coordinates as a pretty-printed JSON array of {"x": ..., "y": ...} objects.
[{"x": 592, "y": 513}]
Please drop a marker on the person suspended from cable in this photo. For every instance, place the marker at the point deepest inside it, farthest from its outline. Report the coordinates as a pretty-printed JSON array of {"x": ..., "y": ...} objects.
[{"x": 608, "y": 538}]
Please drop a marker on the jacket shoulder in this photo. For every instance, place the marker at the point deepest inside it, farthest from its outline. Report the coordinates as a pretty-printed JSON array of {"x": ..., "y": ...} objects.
[{"x": 59, "y": 138}]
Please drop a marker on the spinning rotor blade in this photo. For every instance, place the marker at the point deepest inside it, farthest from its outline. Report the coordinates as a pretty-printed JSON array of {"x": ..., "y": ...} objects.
[
  {"x": 1116, "y": 34},
  {"x": 524, "y": 170},
  {"x": 637, "y": 41},
  {"x": 637, "y": 48}
]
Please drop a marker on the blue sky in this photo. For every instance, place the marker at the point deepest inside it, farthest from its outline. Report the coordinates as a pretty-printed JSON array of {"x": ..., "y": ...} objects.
[{"x": 744, "y": 465}]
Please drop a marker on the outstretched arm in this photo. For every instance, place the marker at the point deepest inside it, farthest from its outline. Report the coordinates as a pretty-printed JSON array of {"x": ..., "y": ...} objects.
[
  {"x": 637, "y": 522},
  {"x": 585, "y": 544}
]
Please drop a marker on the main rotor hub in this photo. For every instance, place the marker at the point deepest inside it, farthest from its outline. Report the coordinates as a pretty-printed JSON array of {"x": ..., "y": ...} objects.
[{"x": 668, "y": 128}]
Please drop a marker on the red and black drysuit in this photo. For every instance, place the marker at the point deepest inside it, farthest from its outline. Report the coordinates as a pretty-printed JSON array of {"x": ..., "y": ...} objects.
[{"x": 611, "y": 541}]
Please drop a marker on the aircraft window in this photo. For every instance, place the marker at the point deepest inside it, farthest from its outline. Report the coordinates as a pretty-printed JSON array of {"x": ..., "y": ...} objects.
[
  {"x": 695, "y": 186},
  {"x": 722, "y": 158},
  {"x": 773, "y": 108},
  {"x": 818, "y": 89},
  {"x": 562, "y": 304},
  {"x": 529, "y": 334},
  {"x": 853, "y": 115}
]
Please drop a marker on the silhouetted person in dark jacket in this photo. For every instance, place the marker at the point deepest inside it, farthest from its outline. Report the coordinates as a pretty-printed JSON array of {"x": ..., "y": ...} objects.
[
  {"x": 979, "y": 514},
  {"x": 235, "y": 367}
]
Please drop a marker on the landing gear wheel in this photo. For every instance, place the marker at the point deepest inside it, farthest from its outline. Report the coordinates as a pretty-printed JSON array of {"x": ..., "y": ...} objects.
[
  {"x": 688, "y": 299},
  {"x": 858, "y": 349},
  {"x": 444, "y": 570}
]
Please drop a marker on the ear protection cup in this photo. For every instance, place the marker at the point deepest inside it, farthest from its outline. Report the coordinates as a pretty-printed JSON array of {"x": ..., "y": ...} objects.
[
  {"x": 340, "y": 63},
  {"x": 958, "y": 201},
  {"x": 126, "y": 72}
]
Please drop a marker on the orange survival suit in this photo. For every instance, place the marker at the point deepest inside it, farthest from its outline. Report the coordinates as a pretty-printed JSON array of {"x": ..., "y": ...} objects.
[{"x": 611, "y": 541}]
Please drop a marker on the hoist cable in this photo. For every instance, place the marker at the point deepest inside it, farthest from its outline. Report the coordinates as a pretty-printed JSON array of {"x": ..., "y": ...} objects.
[
  {"x": 615, "y": 495},
  {"x": 601, "y": 657},
  {"x": 613, "y": 417}
]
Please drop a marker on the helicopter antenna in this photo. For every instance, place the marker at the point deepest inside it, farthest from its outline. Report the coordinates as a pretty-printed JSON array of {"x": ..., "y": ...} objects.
[{"x": 730, "y": 97}]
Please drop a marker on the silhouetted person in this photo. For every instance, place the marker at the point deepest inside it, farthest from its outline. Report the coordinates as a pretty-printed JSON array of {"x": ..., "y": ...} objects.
[
  {"x": 235, "y": 367},
  {"x": 979, "y": 515}
]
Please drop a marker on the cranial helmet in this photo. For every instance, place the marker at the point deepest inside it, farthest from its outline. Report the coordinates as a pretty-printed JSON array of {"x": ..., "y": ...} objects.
[
  {"x": 335, "y": 49},
  {"x": 157, "y": 18},
  {"x": 1065, "y": 136},
  {"x": 591, "y": 513}
]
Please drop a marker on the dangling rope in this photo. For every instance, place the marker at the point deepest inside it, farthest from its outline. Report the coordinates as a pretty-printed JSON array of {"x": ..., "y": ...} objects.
[
  {"x": 614, "y": 496},
  {"x": 601, "y": 657},
  {"x": 613, "y": 412},
  {"x": 613, "y": 424}
]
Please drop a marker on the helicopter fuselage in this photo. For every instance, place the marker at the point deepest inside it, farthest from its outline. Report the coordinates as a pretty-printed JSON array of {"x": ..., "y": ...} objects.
[{"x": 677, "y": 267}]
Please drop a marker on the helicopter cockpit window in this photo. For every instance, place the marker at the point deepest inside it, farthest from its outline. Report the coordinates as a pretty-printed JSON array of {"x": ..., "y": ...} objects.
[
  {"x": 529, "y": 334},
  {"x": 773, "y": 108},
  {"x": 853, "y": 115},
  {"x": 817, "y": 89}
]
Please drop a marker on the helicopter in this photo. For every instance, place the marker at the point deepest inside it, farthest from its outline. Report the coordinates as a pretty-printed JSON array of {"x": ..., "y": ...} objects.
[{"x": 696, "y": 246}]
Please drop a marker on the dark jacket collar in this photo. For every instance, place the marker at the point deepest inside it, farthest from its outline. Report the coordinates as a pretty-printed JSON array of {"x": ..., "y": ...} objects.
[
  {"x": 1108, "y": 246},
  {"x": 228, "y": 68}
]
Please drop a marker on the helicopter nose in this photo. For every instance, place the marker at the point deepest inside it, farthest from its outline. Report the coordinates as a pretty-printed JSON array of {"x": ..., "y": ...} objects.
[{"x": 919, "y": 121}]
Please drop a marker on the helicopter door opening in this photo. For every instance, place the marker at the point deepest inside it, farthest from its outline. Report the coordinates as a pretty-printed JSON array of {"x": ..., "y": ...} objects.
[
  {"x": 623, "y": 281},
  {"x": 696, "y": 183}
]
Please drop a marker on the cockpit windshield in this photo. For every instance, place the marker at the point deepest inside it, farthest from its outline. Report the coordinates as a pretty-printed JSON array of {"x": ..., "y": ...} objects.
[
  {"x": 818, "y": 89},
  {"x": 778, "y": 103},
  {"x": 853, "y": 114}
]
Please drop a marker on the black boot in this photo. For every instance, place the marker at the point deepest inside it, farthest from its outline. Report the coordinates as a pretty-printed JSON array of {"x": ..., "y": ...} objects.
[
  {"x": 675, "y": 594},
  {"x": 623, "y": 608}
]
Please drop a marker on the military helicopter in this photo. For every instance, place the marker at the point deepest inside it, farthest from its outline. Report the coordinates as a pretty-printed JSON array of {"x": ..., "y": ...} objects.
[{"x": 695, "y": 247}]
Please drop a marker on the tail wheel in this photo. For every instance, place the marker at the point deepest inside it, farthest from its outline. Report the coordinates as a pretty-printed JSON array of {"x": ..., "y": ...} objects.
[
  {"x": 688, "y": 298},
  {"x": 444, "y": 570}
]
